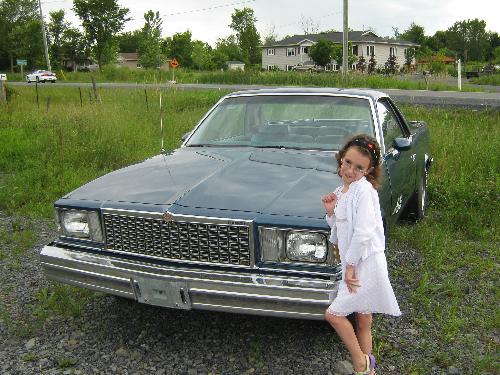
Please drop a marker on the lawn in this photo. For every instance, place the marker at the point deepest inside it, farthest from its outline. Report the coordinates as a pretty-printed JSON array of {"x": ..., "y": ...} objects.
[{"x": 53, "y": 147}]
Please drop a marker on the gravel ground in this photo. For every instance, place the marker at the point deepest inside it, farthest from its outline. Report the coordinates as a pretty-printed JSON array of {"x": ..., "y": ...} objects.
[{"x": 118, "y": 336}]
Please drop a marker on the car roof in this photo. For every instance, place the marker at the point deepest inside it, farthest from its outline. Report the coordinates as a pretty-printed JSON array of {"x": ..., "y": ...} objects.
[{"x": 370, "y": 94}]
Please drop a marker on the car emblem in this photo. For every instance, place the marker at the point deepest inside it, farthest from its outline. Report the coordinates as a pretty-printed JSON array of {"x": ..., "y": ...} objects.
[{"x": 168, "y": 217}]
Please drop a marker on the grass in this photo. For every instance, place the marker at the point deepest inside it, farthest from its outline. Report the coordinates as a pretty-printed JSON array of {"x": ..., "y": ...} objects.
[
  {"x": 454, "y": 287},
  {"x": 254, "y": 77},
  {"x": 490, "y": 79}
]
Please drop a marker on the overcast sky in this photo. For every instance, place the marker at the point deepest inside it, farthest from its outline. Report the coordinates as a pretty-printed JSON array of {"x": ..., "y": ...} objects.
[{"x": 208, "y": 20}]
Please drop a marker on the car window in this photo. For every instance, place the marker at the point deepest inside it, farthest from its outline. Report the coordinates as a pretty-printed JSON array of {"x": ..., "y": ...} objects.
[
  {"x": 288, "y": 121},
  {"x": 390, "y": 124}
]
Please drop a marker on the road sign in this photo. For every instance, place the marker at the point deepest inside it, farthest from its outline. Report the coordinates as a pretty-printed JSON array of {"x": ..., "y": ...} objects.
[
  {"x": 174, "y": 63},
  {"x": 22, "y": 62}
]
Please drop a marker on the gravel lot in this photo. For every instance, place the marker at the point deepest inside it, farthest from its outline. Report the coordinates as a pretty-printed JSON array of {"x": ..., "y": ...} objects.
[{"x": 117, "y": 336}]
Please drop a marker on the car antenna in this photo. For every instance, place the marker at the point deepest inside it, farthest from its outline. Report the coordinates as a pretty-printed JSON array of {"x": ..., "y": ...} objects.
[{"x": 162, "y": 149}]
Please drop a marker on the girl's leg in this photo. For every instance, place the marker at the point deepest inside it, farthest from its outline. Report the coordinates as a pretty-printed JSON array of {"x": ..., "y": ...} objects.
[
  {"x": 364, "y": 332},
  {"x": 345, "y": 330}
]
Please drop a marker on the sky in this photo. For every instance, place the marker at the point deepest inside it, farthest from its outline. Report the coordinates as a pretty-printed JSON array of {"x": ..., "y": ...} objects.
[{"x": 209, "y": 20}]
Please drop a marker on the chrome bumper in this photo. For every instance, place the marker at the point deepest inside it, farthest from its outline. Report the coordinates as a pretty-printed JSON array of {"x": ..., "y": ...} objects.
[{"x": 185, "y": 288}]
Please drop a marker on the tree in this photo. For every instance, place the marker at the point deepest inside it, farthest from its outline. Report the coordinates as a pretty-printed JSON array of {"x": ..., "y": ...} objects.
[
  {"x": 270, "y": 37},
  {"x": 101, "y": 20},
  {"x": 57, "y": 26},
  {"x": 229, "y": 48},
  {"x": 308, "y": 25},
  {"x": 338, "y": 54},
  {"x": 391, "y": 65},
  {"x": 202, "y": 56},
  {"x": 321, "y": 52},
  {"x": 372, "y": 64},
  {"x": 150, "y": 42},
  {"x": 243, "y": 22},
  {"x": 409, "y": 56},
  {"x": 180, "y": 46},
  {"x": 13, "y": 15},
  {"x": 361, "y": 65},
  {"x": 414, "y": 33},
  {"x": 74, "y": 46},
  {"x": 129, "y": 41},
  {"x": 469, "y": 38}
]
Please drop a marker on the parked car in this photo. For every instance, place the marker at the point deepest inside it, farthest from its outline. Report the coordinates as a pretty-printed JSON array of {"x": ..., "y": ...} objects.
[
  {"x": 41, "y": 76},
  {"x": 232, "y": 220},
  {"x": 3, "y": 77},
  {"x": 485, "y": 70},
  {"x": 307, "y": 68}
]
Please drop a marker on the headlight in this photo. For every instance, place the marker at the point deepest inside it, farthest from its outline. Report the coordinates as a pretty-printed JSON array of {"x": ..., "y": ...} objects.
[
  {"x": 279, "y": 245},
  {"x": 306, "y": 246},
  {"x": 80, "y": 224}
]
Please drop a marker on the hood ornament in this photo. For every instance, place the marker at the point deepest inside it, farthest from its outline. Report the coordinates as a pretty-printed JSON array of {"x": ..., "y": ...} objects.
[{"x": 168, "y": 217}]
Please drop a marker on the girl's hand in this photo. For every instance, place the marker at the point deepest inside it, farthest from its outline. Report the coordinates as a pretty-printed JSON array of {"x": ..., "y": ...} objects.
[
  {"x": 350, "y": 279},
  {"x": 329, "y": 200}
]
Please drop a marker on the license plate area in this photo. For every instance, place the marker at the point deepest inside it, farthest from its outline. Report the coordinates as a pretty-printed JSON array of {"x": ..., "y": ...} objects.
[{"x": 165, "y": 293}]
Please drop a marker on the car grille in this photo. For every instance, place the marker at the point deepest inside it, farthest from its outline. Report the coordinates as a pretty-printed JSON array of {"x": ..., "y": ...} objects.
[{"x": 179, "y": 240}]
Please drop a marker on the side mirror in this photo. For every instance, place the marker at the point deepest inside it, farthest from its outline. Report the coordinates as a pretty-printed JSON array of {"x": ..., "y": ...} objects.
[
  {"x": 402, "y": 143},
  {"x": 185, "y": 136}
]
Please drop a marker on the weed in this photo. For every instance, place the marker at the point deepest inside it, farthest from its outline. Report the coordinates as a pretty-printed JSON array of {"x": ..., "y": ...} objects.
[{"x": 65, "y": 362}]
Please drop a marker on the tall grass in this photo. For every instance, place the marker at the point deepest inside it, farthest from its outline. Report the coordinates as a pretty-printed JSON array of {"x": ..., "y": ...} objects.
[
  {"x": 47, "y": 153},
  {"x": 255, "y": 77}
]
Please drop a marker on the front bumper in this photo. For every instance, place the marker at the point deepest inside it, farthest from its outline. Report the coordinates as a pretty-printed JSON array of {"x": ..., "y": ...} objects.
[{"x": 187, "y": 288}]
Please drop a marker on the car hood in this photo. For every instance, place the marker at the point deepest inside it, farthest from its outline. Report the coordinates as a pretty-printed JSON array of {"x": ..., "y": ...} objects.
[{"x": 276, "y": 182}]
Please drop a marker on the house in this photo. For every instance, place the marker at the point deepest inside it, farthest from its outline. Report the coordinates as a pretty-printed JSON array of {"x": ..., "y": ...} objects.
[
  {"x": 85, "y": 64},
  {"x": 294, "y": 50},
  {"x": 235, "y": 65},
  {"x": 128, "y": 59}
]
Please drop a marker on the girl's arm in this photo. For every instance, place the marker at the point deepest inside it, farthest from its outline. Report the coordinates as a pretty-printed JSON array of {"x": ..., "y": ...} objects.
[{"x": 364, "y": 225}]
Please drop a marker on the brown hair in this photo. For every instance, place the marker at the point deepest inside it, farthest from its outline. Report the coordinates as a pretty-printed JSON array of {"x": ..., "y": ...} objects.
[{"x": 367, "y": 146}]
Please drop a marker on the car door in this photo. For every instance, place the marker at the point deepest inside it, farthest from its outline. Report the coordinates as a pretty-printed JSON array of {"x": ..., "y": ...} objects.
[{"x": 399, "y": 162}]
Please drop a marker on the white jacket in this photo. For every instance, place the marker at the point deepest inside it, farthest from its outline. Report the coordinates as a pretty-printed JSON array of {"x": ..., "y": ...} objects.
[{"x": 365, "y": 235}]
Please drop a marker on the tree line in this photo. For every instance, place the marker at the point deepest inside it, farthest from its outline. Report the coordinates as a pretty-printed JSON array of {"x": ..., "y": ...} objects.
[{"x": 101, "y": 37}]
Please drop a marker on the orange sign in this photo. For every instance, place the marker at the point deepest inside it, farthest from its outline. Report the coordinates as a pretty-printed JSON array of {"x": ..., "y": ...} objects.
[{"x": 174, "y": 63}]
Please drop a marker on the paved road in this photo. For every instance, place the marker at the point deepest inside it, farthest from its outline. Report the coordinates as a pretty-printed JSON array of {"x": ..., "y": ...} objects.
[{"x": 473, "y": 100}]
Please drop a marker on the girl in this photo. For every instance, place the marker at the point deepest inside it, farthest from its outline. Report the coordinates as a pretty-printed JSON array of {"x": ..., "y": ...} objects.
[{"x": 353, "y": 213}]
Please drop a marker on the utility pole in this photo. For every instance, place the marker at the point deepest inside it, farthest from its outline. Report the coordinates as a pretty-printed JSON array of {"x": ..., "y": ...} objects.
[
  {"x": 44, "y": 37},
  {"x": 345, "y": 63}
]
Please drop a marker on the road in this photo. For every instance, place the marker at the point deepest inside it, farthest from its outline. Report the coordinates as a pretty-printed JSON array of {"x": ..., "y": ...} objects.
[{"x": 473, "y": 100}]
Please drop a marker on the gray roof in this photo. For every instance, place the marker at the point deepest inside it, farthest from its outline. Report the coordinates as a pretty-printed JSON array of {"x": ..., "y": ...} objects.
[
  {"x": 336, "y": 37},
  {"x": 373, "y": 94}
]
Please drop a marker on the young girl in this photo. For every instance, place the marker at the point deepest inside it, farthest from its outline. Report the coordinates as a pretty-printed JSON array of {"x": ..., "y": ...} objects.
[{"x": 353, "y": 213}]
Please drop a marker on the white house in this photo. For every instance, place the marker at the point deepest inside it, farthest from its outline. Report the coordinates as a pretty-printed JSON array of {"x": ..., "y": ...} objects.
[{"x": 294, "y": 50}]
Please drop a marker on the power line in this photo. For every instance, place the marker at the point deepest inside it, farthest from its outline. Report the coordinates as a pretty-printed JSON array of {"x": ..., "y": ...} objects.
[{"x": 205, "y": 9}]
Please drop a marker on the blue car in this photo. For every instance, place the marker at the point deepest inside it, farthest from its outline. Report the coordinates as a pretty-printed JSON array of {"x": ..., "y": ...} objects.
[{"x": 232, "y": 220}]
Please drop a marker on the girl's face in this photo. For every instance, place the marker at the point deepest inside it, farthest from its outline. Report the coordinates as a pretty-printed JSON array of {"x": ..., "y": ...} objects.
[{"x": 354, "y": 166}]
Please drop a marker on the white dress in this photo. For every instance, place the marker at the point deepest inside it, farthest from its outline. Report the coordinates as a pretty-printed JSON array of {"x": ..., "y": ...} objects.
[{"x": 357, "y": 228}]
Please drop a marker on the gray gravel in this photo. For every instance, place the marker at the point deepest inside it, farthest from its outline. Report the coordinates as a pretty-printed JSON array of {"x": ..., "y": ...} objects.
[{"x": 118, "y": 336}]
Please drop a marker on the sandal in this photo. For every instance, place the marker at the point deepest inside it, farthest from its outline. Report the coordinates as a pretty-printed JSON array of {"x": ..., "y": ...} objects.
[{"x": 370, "y": 366}]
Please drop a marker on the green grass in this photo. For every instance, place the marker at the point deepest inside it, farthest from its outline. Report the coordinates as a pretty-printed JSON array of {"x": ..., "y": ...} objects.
[
  {"x": 454, "y": 284},
  {"x": 490, "y": 79},
  {"x": 253, "y": 77}
]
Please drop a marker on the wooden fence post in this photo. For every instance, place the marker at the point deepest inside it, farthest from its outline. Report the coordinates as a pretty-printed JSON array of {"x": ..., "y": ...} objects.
[{"x": 3, "y": 94}]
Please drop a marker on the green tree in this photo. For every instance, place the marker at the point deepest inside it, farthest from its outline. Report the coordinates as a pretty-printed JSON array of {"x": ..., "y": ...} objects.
[
  {"x": 409, "y": 56},
  {"x": 229, "y": 48},
  {"x": 321, "y": 52},
  {"x": 338, "y": 54},
  {"x": 391, "y": 65},
  {"x": 129, "y": 41},
  {"x": 361, "y": 65},
  {"x": 496, "y": 55},
  {"x": 415, "y": 34},
  {"x": 150, "y": 55},
  {"x": 469, "y": 39},
  {"x": 57, "y": 26},
  {"x": 243, "y": 22},
  {"x": 202, "y": 56},
  {"x": 101, "y": 20},
  {"x": 14, "y": 14},
  {"x": 180, "y": 46},
  {"x": 74, "y": 46},
  {"x": 29, "y": 42},
  {"x": 372, "y": 64}
]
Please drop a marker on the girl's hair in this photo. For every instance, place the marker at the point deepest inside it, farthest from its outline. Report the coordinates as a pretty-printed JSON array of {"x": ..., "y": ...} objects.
[{"x": 367, "y": 146}]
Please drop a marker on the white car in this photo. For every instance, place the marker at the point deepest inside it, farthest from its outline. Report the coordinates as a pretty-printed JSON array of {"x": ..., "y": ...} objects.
[
  {"x": 41, "y": 76},
  {"x": 3, "y": 77}
]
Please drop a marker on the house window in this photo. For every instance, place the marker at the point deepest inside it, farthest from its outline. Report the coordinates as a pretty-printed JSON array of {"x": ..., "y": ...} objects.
[
  {"x": 289, "y": 67},
  {"x": 305, "y": 49},
  {"x": 270, "y": 51},
  {"x": 290, "y": 51},
  {"x": 355, "y": 50},
  {"x": 272, "y": 67},
  {"x": 370, "y": 50},
  {"x": 393, "y": 51},
  {"x": 335, "y": 67}
]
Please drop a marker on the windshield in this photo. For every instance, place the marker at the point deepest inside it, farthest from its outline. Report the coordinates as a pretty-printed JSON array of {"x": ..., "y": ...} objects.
[{"x": 285, "y": 121}]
